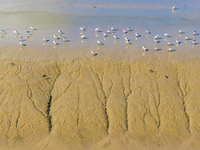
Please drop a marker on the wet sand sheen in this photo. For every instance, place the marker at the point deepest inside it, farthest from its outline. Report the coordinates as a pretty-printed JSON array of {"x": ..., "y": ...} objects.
[{"x": 90, "y": 103}]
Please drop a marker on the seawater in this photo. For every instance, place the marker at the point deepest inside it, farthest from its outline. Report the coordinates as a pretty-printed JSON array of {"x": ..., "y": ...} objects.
[{"x": 67, "y": 15}]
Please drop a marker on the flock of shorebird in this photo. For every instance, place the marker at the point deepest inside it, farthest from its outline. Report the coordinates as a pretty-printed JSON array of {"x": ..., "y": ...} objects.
[{"x": 108, "y": 33}]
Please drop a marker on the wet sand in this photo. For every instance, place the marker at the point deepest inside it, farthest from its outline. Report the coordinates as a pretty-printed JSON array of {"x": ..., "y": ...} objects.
[{"x": 99, "y": 102}]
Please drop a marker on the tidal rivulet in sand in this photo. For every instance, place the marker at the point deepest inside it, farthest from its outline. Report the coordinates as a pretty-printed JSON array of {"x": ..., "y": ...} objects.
[{"x": 100, "y": 104}]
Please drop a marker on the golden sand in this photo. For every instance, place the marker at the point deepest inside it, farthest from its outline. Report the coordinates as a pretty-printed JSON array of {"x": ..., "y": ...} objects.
[{"x": 100, "y": 103}]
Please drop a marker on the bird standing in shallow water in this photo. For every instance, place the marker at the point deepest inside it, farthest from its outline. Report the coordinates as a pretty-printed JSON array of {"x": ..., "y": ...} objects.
[
  {"x": 124, "y": 32},
  {"x": 177, "y": 42},
  {"x": 144, "y": 48},
  {"x": 96, "y": 29},
  {"x": 82, "y": 28},
  {"x": 155, "y": 48},
  {"x": 170, "y": 49},
  {"x": 99, "y": 42},
  {"x": 174, "y": 7},
  {"x": 128, "y": 30},
  {"x": 194, "y": 32},
  {"x": 44, "y": 39},
  {"x": 147, "y": 31},
  {"x": 56, "y": 37},
  {"x": 193, "y": 42}
]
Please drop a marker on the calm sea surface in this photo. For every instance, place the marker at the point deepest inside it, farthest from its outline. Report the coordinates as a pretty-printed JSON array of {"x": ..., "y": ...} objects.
[{"x": 68, "y": 15}]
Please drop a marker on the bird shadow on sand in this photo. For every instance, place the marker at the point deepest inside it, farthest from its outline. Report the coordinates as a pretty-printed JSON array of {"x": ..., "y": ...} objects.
[
  {"x": 67, "y": 41},
  {"x": 182, "y": 32},
  {"x": 159, "y": 49},
  {"x": 115, "y": 30},
  {"x": 172, "y": 50},
  {"x": 47, "y": 40},
  {"x": 23, "y": 44}
]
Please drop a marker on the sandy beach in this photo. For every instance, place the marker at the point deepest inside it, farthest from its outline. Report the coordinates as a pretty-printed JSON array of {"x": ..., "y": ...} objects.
[
  {"x": 96, "y": 102},
  {"x": 76, "y": 94}
]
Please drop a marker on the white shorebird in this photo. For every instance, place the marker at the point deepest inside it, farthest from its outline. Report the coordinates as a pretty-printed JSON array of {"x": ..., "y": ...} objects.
[
  {"x": 144, "y": 48},
  {"x": 92, "y": 52},
  {"x": 21, "y": 38},
  {"x": 108, "y": 32},
  {"x": 126, "y": 40},
  {"x": 96, "y": 29},
  {"x": 82, "y": 28},
  {"x": 55, "y": 36},
  {"x": 193, "y": 42},
  {"x": 174, "y": 7},
  {"x": 112, "y": 29},
  {"x": 156, "y": 36},
  {"x": 155, "y": 40},
  {"x": 136, "y": 34},
  {"x": 64, "y": 39},
  {"x": 124, "y": 32},
  {"x": 147, "y": 31},
  {"x": 82, "y": 36},
  {"x": 180, "y": 31},
  {"x": 15, "y": 32},
  {"x": 45, "y": 40},
  {"x": 155, "y": 48},
  {"x": 186, "y": 37},
  {"x": 104, "y": 35},
  {"x": 128, "y": 30},
  {"x": 177, "y": 42},
  {"x": 168, "y": 43},
  {"x": 59, "y": 31},
  {"x": 32, "y": 27},
  {"x": 115, "y": 37},
  {"x": 99, "y": 42},
  {"x": 194, "y": 32},
  {"x": 55, "y": 43},
  {"x": 20, "y": 42},
  {"x": 166, "y": 34},
  {"x": 170, "y": 49}
]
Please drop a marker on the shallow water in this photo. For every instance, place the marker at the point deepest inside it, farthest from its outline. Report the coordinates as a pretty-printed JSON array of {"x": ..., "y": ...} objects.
[{"x": 48, "y": 17}]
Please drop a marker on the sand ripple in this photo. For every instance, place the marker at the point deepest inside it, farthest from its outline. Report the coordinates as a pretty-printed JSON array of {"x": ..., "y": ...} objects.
[{"x": 100, "y": 104}]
